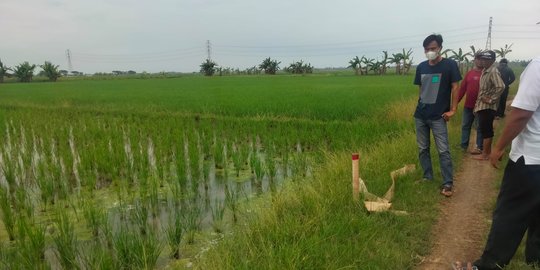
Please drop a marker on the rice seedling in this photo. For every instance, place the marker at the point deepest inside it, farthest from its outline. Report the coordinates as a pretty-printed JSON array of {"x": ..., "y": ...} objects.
[
  {"x": 65, "y": 242},
  {"x": 231, "y": 201},
  {"x": 95, "y": 216},
  {"x": 175, "y": 232},
  {"x": 218, "y": 212},
  {"x": 8, "y": 216},
  {"x": 192, "y": 221},
  {"x": 139, "y": 216},
  {"x": 31, "y": 245},
  {"x": 136, "y": 251}
]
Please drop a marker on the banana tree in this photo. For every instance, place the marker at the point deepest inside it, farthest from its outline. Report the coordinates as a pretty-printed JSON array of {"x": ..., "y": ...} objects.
[
  {"x": 51, "y": 71},
  {"x": 396, "y": 59},
  {"x": 460, "y": 58},
  {"x": 444, "y": 53},
  {"x": 368, "y": 62},
  {"x": 502, "y": 52},
  {"x": 355, "y": 64},
  {"x": 384, "y": 62},
  {"x": 3, "y": 71},
  {"x": 24, "y": 72},
  {"x": 407, "y": 60},
  {"x": 269, "y": 66}
]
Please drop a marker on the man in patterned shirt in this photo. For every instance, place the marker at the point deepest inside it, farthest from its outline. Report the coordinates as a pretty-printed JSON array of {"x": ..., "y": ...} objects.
[{"x": 491, "y": 88}]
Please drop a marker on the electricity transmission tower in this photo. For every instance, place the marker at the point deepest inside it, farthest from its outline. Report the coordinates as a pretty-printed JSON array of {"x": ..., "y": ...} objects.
[
  {"x": 68, "y": 56},
  {"x": 488, "y": 41},
  {"x": 209, "y": 50}
]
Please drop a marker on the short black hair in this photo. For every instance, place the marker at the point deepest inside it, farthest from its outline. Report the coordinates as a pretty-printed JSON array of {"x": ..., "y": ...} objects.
[{"x": 431, "y": 38}]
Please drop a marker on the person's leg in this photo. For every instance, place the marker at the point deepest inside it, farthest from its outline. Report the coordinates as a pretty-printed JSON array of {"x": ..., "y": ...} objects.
[
  {"x": 440, "y": 133},
  {"x": 532, "y": 248},
  {"x": 466, "y": 124},
  {"x": 502, "y": 103},
  {"x": 485, "y": 118},
  {"x": 422, "y": 139},
  {"x": 479, "y": 139},
  {"x": 511, "y": 216}
]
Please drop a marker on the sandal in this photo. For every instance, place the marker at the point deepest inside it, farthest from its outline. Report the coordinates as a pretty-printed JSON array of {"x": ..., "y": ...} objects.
[
  {"x": 476, "y": 151},
  {"x": 459, "y": 266},
  {"x": 447, "y": 191},
  {"x": 481, "y": 157}
]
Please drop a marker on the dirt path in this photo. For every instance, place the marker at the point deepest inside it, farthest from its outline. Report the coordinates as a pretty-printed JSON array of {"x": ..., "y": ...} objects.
[{"x": 464, "y": 219}]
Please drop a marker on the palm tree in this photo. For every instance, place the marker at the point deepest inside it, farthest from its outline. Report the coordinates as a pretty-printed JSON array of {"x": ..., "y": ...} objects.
[
  {"x": 269, "y": 66},
  {"x": 3, "y": 71},
  {"x": 208, "y": 67},
  {"x": 356, "y": 64},
  {"x": 51, "y": 71},
  {"x": 502, "y": 52},
  {"x": 24, "y": 72},
  {"x": 461, "y": 58}
]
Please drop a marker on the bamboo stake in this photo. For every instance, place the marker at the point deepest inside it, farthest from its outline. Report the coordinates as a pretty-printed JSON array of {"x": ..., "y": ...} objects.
[{"x": 355, "y": 176}]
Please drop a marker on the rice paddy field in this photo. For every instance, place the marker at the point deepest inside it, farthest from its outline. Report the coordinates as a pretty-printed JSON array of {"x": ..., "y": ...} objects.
[{"x": 239, "y": 172}]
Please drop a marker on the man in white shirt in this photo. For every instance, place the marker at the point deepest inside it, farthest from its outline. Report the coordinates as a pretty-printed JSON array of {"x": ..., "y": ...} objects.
[{"x": 518, "y": 203}]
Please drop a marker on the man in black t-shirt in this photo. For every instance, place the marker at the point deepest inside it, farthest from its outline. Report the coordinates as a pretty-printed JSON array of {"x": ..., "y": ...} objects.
[{"x": 437, "y": 79}]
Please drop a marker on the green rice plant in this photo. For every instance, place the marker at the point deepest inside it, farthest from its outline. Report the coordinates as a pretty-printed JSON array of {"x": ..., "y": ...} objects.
[
  {"x": 95, "y": 216},
  {"x": 218, "y": 212},
  {"x": 8, "y": 216},
  {"x": 194, "y": 162},
  {"x": 219, "y": 156},
  {"x": 8, "y": 258},
  {"x": 192, "y": 221},
  {"x": 231, "y": 201},
  {"x": 95, "y": 255},
  {"x": 9, "y": 171},
  {"x": 153, "y": 197},
  {"x": 136, "y": 251},
  {"x": 65, "y": 242},
  {"x": 139, "y": 216},
  {"x": 258, "y": 167},
  {"x": 206, "y": 176},
  {"x": 175, "y": 232},
  {"x": 238, "y": 159},
  {"x": 31, "y": 245},
  {"x": 23, "y": 204}
]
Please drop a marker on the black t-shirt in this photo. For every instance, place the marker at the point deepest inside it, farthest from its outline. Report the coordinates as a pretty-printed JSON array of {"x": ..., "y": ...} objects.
[{"x": 435, "y": 88}]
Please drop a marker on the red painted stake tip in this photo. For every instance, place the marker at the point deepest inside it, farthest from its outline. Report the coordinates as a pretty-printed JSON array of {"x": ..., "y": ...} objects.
[{"x": 355, "y": 156}]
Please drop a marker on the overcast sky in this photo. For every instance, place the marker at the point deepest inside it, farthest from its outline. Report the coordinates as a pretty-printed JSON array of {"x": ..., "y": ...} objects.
[{"x": 171, "y": 35}]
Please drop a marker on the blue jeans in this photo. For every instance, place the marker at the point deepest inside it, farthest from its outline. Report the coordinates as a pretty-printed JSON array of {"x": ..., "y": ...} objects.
[
  {"x": 466, "y": 124},
  {"x": 440, "y": 134}
]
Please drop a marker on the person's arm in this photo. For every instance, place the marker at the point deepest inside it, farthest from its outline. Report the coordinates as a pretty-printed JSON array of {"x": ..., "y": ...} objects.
[
  {"x": 462, "y": 89},
  {"x": 515, "y": 123},
  {"x": 511, "y": 75},
  {"x": 455, "y": 92}
]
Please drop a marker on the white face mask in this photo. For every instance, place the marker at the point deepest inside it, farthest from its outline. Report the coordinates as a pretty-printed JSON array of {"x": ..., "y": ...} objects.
[{"x": 432, "y": 55}]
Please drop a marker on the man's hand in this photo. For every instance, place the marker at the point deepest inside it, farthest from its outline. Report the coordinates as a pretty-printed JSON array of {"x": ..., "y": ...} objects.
[
  {"x": 496, "y": 156},
  {"x": 487, "y": 100},
  {"x": 446, "y": 116}
]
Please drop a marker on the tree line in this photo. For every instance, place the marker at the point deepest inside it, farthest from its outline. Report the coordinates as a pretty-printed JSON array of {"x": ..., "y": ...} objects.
[{"x": 402, "y": 61}]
